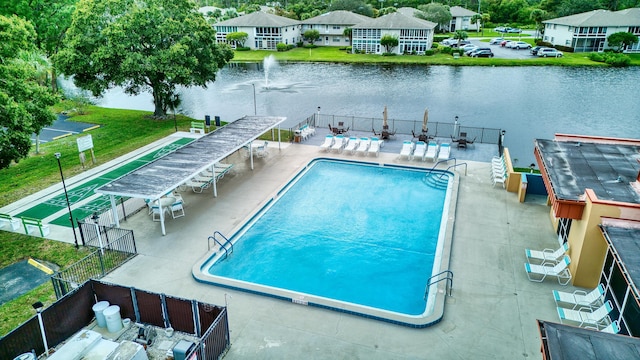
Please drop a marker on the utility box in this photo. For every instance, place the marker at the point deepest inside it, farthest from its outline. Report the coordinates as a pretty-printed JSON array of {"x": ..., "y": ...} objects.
[
  {"x": 217, "y": 118},
  {"x": 207, "y": 120},
  {"x": 182, "y": 349}
]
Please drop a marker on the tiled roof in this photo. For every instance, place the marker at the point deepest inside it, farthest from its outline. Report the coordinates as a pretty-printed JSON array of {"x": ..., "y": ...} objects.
[
  {"x": 259, "y": 19},
  {"x": 339, "y": 17},
  {"x": 396, "y": 20}
]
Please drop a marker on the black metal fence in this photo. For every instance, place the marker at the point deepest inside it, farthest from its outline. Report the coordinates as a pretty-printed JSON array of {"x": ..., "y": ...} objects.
[
  {"x": 65, "y": 317},
  {"x": 114, "y": 247},
  {"x": 407, "y": 127}
]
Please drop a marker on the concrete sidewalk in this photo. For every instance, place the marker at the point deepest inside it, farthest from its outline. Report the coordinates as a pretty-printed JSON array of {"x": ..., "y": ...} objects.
[{"x": 491, "y": 314}]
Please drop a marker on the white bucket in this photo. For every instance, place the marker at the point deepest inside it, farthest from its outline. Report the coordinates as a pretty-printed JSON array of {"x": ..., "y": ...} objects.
[
  {"x": 98, "y": 309},
  {"x": 112, "y": 316}
]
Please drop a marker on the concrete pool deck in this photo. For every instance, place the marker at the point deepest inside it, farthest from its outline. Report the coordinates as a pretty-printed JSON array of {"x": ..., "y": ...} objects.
[{"x": 491, "y": 313}]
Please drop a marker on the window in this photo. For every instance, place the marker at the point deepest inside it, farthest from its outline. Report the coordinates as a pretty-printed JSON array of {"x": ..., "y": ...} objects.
[{"x": 564, "y": 226}]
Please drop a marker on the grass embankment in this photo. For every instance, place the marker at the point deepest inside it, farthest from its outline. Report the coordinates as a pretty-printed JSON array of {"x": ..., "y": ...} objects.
[{"x": 334, "y": 54}]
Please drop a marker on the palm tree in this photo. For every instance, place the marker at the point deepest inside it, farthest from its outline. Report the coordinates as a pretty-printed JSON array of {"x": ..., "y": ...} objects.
[
  {"x": 460, "y": 35},
  {"x": 485, "y": 19},
  {"x": 348, "y": 32},
  {"x": 476, "y": 20},
  {"x": 538, "y": 15}
]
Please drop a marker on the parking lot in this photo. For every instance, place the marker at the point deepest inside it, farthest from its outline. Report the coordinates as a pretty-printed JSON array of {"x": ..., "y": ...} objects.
[{"x": 503, "y": 53}]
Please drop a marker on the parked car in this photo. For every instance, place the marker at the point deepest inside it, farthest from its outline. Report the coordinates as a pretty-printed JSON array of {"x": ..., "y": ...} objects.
[
  {"x": 520, "y": 45},
  {"x": 510, "y": 44},
  {"x": 461, "y": 43},
  {"x": 448, "y": 42},
  {"x": 504, "y": 43},
  {"x": 534, "y": 50},
  {"x": 496, "y": 41},
  {"x": 468, "y": 47},
  {"x": 549, "y": 52},
  {"x": 514, "y": 30},
  {"x": 482, "y": 52},
  {"x": 500, "y": 29}
]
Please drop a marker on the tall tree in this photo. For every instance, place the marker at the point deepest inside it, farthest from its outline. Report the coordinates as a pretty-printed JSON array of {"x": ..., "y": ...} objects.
[
  {"x": 620, "y": 40},
  {"x": 24, "y": 103},
  {"x": 538, "y": 16},
  {"x": 435, "y": 12},
  {"x": 460, "y": 35},
  {"x": 356, "y": 6},
  {"x": 141, "y": 45}
]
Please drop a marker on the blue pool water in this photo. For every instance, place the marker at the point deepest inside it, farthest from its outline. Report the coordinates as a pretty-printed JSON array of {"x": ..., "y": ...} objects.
[{"x": 355, "y": 233}]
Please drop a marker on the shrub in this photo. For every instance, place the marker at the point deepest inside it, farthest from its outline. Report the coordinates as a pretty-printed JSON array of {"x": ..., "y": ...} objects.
[
  {"x": 388, "y": 54},
  {"x": 242, "y": 48},
  {"x": 439, "y": 38},
  {"x": 281, "y": 47},
  {"x": 429, "y": 53},
  {"x": 290, "y": 46},
  {"x": 348, "y": 49},
  {"x": 544, "y": 43},
  {"x": 299, "y": 43},
  {"x": 597, "y": 57},
  {"x": 446, "y": 50},
  {"x": 564, "y": 48},
  {"x": 610, "y": 58},
  {"x": 310, "y": 46}
]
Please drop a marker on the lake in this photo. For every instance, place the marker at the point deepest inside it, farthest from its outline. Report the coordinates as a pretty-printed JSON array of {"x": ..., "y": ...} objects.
[{"x": 527, "y": 102}]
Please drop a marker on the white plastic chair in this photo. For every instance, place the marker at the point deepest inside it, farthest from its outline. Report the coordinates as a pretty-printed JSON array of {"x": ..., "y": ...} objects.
[
  {"x": 580, "y": 298},
  {"x": 596, "y": 318},
  {"x": 445, "y": 152},
  {"x": 419, "y": 151},
  {"x": 328, "y": 142},
  {"x": 547, "y": 256},
  {"x": 352, "y": 145},
  {"x": 559, "y": 271},
  {"x": 364, "y": 146},
  {"x": 407, "y": 149}
]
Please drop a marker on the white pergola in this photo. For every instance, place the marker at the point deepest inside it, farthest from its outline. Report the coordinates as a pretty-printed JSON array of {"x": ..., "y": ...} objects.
[{"x": 161, "y": 176}]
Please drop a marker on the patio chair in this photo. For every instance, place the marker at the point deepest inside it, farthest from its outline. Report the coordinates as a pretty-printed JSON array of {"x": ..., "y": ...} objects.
[
  {"x": 177, "y": 208},
  {"x": 559, "y": 271},
  {"x": 419, "y": 151},
  {"x": 580, "y": 298},
  {"x": 613, "y": 328},
  {"x": 407, "y": 149},
  {"x": 374, "y": 147},
  {"x": 585, "y": 317},
  {"x": 365, "y": 142},
  {"x": 432, "y": 151},
  {"x": 445, "y": 152},
  {"x": 261, "y": 150},
  {"x": 547, "y": 256},
  {"x": 338, "y": 143},
  {"x": 352, "y": 145},
  {"x": 328, "y": 142}
]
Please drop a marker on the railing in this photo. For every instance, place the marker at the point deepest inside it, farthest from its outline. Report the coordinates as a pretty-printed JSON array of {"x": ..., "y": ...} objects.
[
  {"x": 95, "y": 265},
  {"x": 435, "y": 129},
  {"x": 448, "y": 278},
  {"x": 455, "y": 165},
  {"x": 222, "y": 245}
]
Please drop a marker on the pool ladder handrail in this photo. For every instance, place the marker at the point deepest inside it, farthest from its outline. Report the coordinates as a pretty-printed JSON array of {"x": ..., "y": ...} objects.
[
  {"x": 455, "y": 164},
  {"x": 222, "y": 245},
  {"x": 449, "y": 279}
]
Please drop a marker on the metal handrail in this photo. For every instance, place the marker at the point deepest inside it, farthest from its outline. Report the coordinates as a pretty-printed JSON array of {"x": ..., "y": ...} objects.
[
  {"x": 454, "y": 165},
  {"x": 222, "y": 246},
  {"x": 449, "y": 278}
]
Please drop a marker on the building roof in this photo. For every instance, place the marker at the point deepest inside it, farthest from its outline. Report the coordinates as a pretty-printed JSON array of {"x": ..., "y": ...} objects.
[
  {"x": 259, "y": 19},
  {"x": 627, "y": 17},
  {"x": 339, "y": 17},
  {"x": 608, "y": 166},
  {"x": 161, "y": 176},
  {"x": 409, "y": 11},
  {"x": 396, "y": 20},
  {"x": 624, "y": 236},
  {"x": 458, "y": 11},
  {"x": 564, "y": 342}
]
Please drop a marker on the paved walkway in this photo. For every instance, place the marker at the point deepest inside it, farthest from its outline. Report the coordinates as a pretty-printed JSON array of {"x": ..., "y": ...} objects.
[{"x": 491, "y": 314}]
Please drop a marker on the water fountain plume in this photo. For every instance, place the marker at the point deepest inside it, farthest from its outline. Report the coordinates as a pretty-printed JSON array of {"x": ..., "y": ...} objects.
[{"x": 268, "y": 63}]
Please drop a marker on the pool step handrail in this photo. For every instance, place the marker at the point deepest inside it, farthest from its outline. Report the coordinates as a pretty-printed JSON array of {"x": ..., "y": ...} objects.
[
  {"x": 438, "y": 278},
  {"x": 456, "y": 165},
  {"x": 222, "y": 245}
]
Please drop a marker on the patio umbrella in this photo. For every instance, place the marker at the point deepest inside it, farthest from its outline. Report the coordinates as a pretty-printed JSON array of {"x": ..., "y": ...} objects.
[
  {"x": 385, "y": 125},
  {"x": 425, "y": 119}
]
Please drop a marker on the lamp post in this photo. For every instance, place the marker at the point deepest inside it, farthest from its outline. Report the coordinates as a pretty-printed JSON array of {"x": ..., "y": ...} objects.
[
  {"x": 501, "y": 144},
  {"x": 318, "y": 118},
  {"x": 455, "y": 126},
  {"x": 66, "y": 195},
  {"x": 38, "y": 307},
  {"x": 255, "y": 109}
]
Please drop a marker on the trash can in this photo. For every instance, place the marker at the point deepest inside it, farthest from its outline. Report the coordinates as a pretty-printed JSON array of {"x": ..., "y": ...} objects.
[
  {"x": 297, "y": 136},
  {"x": 217, "y": 119}
]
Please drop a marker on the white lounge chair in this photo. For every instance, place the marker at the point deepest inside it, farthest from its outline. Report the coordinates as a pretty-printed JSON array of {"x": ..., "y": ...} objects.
[
  {"x": 445, "y": 152},
  {"x": 559, "y": 271},
  {"x": 407, "y": 149},
  {"x": 352, "y": 145},
  {"x": 364, "y": 146},
  {"x": 432, "y": 151},
  {"x": 613, "y": 328},
  {"x": 338, "y": 143},
  {"x": 374, "y": 147},
  {"x": 598, "y": 318},
  {"x": 328, "y": 142},
  {"x": 419, "y": 151},
  {"x": 547, "y": 256},
  {"x": 580, "y": 298}
]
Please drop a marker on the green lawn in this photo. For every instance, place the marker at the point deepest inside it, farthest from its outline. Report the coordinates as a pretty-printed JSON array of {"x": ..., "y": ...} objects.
[{"x": 334, "y": 54}]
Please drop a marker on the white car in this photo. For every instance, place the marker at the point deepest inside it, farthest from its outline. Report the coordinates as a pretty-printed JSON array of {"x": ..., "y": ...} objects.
[
  {"x": 510, "y": 44},
  {"x": 520, "y": 45},
  {"x": 549, "y": 52},
  {"x": 467, "y": 47},
  {"x": 496, "y": 41}
]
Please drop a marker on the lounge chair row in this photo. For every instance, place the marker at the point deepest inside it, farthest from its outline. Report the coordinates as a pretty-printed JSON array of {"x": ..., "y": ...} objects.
[
  {"x": 422, "y": 151},
  {"x": 548, "y": 262},
  {"x": 306, "y": 131},
  {"x": 352, "y": 145},
  {"x": 205, "y": 178},
  {"x": 586, "y": 309},
  {"x": 498, "y": 171}
]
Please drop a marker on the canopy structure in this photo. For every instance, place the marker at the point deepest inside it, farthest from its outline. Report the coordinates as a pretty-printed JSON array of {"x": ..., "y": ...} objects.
[{"x": 161, "y": 176}]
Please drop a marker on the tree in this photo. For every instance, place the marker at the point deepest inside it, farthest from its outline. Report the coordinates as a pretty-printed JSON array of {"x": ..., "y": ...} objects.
[
  {"x": 389, "y": 42},
  {"x": 238, "y": 38},
  {"x": 387, "y": 10},
  {"x": 141, "y": 45},
  {"x": 348, "y": 32},
  {"x": 24, "y": 103},
  {"x": 477, "y": 19},
  {"x": 435, "y": 12},
  {"x": 311, "y": 36},
  {"x": 538, "y": 15},
  {"x": 356, "y": 6},
  {"x": 485, "y": 19},
  {"x": 460, "y": 35},
  {"x": 620, "y": 40}
]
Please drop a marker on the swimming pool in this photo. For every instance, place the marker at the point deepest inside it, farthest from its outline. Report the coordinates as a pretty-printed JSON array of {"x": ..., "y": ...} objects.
[{"x": 356, "y": 237}]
